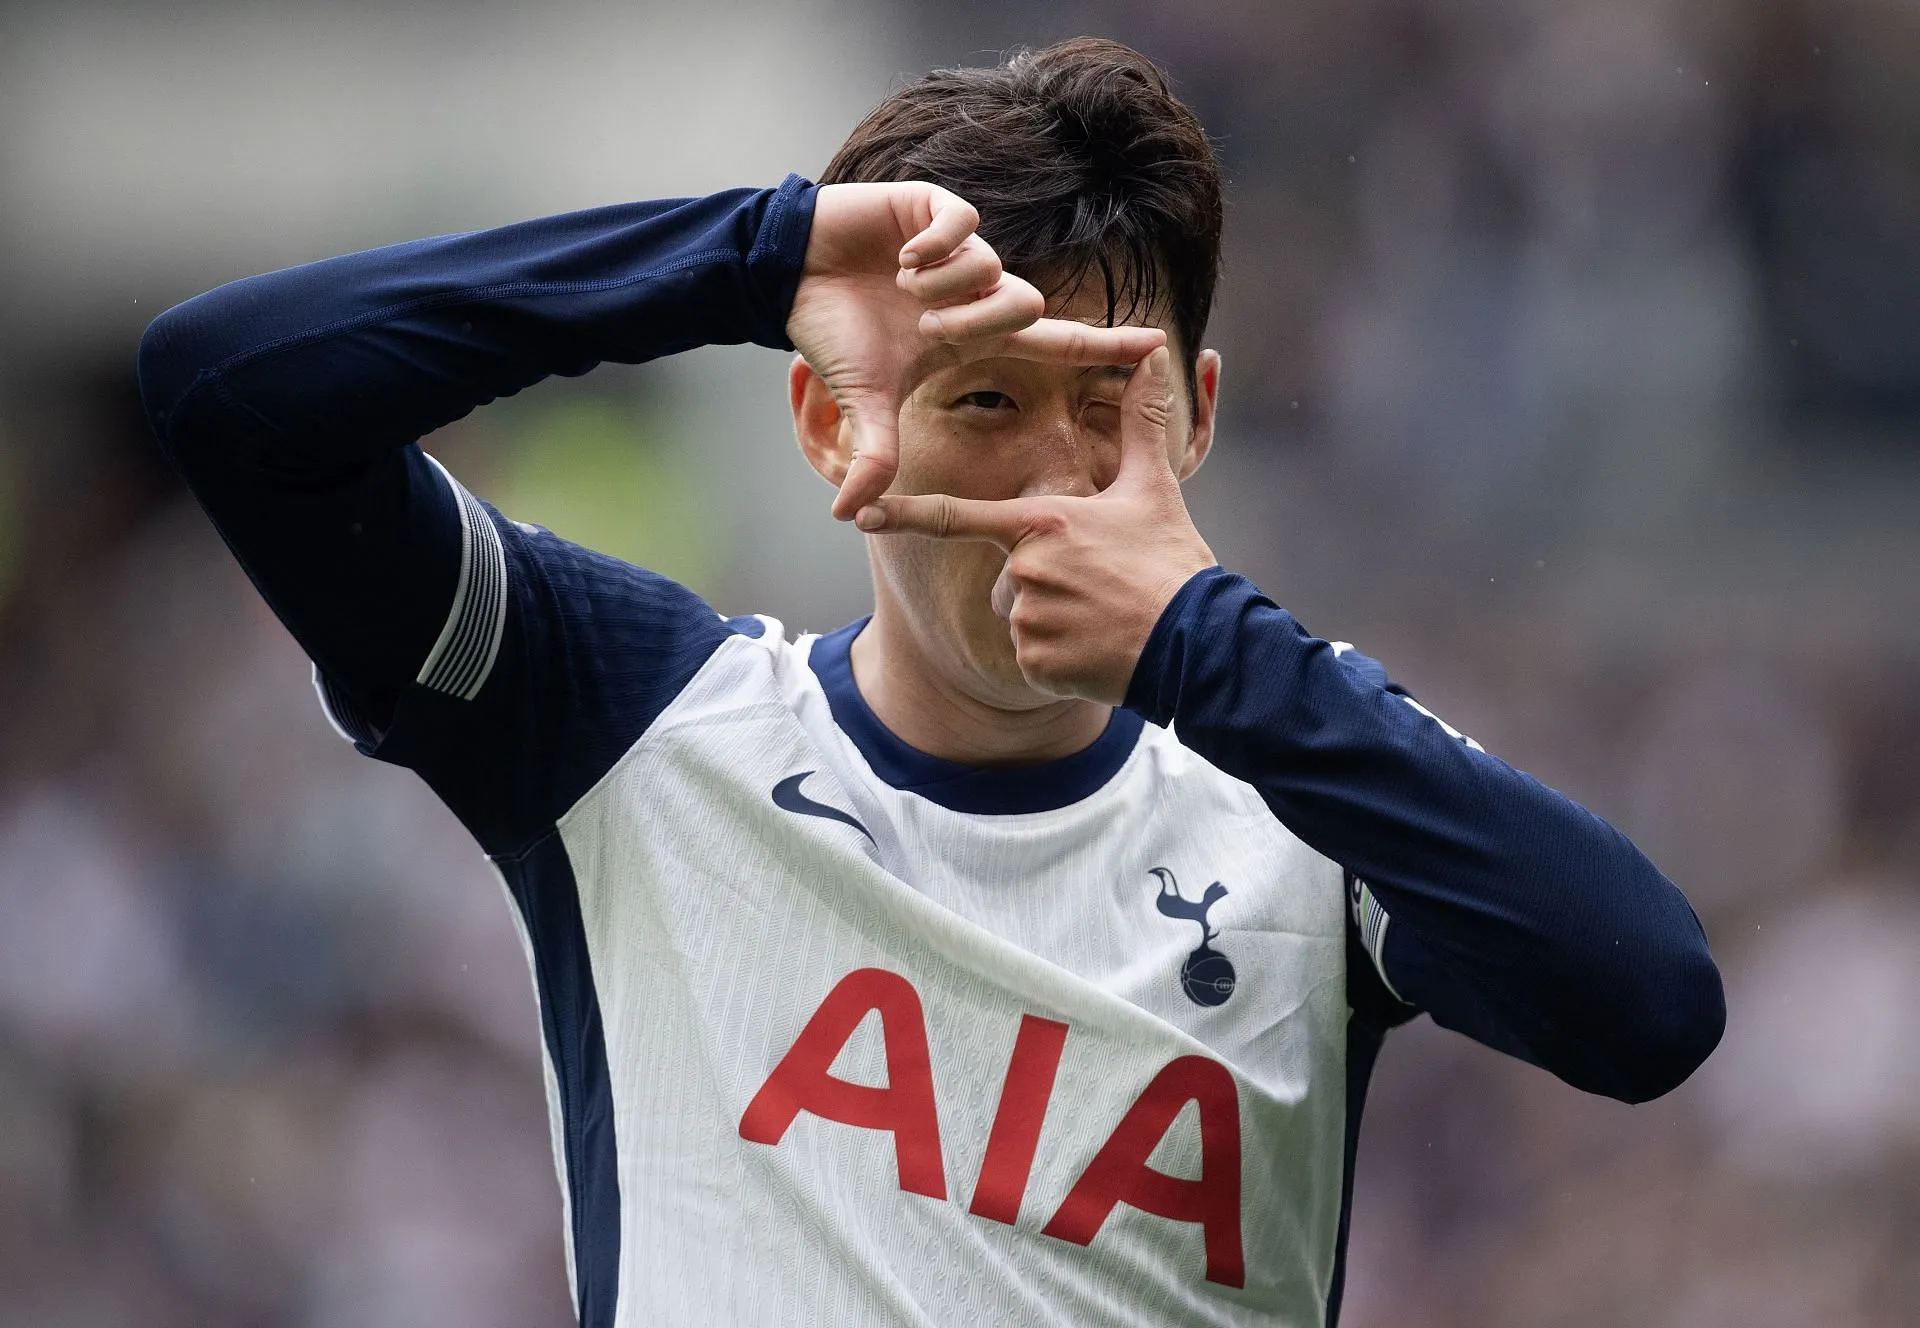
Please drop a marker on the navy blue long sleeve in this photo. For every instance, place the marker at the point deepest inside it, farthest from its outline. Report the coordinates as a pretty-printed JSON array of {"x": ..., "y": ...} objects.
[
  {"x": 291, "y": 402},
  {"x": 1512, "y": 914}
]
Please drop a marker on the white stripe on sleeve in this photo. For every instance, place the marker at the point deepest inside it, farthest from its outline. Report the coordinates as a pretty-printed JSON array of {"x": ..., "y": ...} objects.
[
  {"x": 462, "y": 658},
  {"x": 1373, "y": 922}
]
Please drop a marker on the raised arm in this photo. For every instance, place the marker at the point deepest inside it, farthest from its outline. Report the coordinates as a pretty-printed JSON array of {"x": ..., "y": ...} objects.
[
  {"x": 1502, "y": 908},
  {"x": 291, "y": 402}
]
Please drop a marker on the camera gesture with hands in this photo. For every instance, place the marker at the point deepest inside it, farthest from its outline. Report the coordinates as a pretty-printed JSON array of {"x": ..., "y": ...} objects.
[{"x": 897, "y": 285}]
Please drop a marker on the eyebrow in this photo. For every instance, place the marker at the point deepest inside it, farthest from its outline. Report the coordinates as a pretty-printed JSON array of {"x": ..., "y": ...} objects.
[{"x": 1120, "y": 371}]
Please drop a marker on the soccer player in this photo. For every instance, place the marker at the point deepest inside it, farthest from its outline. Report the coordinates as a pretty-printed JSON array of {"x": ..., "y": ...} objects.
[{"x": 1018, "y": 954}]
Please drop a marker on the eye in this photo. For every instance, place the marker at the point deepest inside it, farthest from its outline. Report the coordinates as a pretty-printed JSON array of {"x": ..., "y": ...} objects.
[{"x": 986, "y": 400}]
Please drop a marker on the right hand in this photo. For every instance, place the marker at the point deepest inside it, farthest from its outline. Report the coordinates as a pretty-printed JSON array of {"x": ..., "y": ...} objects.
[{"x": 897, "y": 285}]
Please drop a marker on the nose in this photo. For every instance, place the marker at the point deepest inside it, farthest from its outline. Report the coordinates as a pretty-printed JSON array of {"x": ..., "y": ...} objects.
[{"x": 1069, "y": 458}]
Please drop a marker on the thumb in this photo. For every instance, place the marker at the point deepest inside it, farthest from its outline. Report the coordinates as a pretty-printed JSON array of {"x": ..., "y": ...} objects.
[
  {"x": 876, "y": 457},
  {"x": 1145, "y": 408}
]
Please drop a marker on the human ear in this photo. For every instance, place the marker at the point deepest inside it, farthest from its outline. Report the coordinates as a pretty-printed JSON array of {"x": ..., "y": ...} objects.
[
  {"x": 824, "y": 434},
  {"x": 1206, "y": 401}
]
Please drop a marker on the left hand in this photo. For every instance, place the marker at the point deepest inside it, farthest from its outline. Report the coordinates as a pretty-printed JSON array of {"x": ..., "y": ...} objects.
[{"x": 1086, "y": 578}]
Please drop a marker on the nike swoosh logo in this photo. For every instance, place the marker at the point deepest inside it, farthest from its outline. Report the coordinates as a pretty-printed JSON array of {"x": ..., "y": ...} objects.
[{"x": 788, "y": 797}]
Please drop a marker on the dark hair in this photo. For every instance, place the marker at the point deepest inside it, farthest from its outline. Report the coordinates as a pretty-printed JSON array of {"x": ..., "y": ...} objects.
[{"x": 1081, "y": 161}]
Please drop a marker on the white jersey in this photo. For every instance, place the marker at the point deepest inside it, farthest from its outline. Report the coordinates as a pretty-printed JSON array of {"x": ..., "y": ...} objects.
[{"x": 749, "y": 957}]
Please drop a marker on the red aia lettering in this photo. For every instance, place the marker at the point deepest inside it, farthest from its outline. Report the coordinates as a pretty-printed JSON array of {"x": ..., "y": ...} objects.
[
  {"x": 1016, "y": 1124},
  {"x": 1119, "y": 1172},
  {"x": 905, "y": 1107}
]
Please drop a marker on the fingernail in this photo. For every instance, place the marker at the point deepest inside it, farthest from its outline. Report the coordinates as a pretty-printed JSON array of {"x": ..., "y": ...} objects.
[
  {"x": 930, "y": 325},
  {"x": 909, "y": 258},
  {"x": 869, "y": 518}
]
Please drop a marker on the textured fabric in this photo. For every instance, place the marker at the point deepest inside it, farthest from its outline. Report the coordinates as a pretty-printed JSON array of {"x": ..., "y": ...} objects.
[{"x": 593, "y": 649}]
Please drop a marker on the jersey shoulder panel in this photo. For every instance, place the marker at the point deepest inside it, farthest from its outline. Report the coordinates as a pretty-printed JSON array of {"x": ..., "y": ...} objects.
[{"x": 552, "y": 661}]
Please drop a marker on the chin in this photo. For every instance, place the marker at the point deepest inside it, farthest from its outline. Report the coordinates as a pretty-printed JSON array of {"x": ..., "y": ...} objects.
[
  {"x": 945, "y": 594},
  {"x": 996, "y": 669}
]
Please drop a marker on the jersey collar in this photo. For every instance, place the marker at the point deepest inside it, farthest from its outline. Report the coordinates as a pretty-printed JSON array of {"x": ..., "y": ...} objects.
[{"x": 1003, "y": 790}]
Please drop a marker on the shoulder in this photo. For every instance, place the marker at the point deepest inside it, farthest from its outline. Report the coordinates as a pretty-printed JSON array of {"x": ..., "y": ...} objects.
[
  {"x": 554, "y": 660},
  {"x": 1174, "y": 776}
]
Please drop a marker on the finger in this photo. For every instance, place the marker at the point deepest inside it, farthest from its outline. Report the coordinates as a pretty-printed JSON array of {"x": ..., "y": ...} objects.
[
  {"x": 949, "y": 220},
  {"x": 876, "y": 457},
  {"x": 942, "y": 516},
  {"x": 866, "y": 480},
  {"x": 1007, "y": 308},
  {"x": 1062, "y": 341},
  {"x": 1003, "y": 594},
  {"x": 969, "y": 271},
  {"x": 1145, "y": 407}
]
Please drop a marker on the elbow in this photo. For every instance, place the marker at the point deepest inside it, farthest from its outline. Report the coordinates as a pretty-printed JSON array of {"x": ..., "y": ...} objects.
[
  {"x": 1679, "y": 1018},
  {"x": 1664, "y": 1007},
  {"x": 164, "y": 369},
  {"x": 177, "y": 351},
  {"x": 1635, "y": 1030}
]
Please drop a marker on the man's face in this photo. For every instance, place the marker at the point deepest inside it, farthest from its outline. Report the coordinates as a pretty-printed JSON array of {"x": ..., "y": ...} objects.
[{"x": 1008, "y": 428}]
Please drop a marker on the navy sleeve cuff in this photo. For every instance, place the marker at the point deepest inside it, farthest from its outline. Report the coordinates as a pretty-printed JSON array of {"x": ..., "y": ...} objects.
[
  {"x": 779, "y": 254},
  {"x": 1154, "y": 690}
]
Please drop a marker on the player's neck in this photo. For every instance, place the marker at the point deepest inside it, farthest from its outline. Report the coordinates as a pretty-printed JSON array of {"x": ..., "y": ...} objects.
[{"x": 921, "y": 709}]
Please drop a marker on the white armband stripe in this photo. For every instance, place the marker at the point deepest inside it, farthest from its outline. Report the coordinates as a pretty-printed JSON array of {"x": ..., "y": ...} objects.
[
  {"x": 463, "y": 656},
  {"x": 1373, "y": 922}
]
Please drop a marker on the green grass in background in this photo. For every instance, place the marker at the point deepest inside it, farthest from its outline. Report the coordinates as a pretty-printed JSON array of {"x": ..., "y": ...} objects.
[{"x": 601, "y": 472}]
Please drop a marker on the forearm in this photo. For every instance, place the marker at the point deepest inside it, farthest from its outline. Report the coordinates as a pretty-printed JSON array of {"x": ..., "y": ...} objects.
[
  {"x": 355, "y": 355},
  {"x": 1513, "y": 914}
]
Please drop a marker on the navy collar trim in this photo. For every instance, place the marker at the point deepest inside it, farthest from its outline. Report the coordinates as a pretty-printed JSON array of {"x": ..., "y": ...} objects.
[{"x": 1004, "y": 790}]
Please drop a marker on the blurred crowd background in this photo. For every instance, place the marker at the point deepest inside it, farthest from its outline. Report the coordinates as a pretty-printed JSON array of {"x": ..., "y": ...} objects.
[{"x": 1573, "y": 369}]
